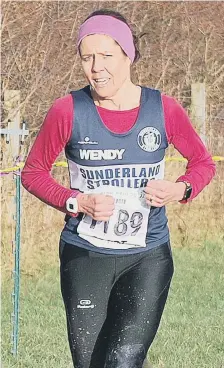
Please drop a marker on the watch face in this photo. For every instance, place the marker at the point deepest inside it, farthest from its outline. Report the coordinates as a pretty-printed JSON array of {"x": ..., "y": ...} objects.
[
  {"x": 72, "y": 205},
  {"x": 188, "y": 192}
]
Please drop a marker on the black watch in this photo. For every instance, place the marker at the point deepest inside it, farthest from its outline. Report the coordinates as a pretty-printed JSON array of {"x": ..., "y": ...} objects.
[{"x": 188, "y": 190}]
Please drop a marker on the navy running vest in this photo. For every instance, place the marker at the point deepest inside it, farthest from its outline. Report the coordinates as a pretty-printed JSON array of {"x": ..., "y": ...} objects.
[{"x": 96, "y": 156}]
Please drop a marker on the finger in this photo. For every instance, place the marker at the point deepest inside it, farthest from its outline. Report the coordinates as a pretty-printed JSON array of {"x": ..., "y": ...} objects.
[
  {"x": 104, "y": 212},
  {"x": 94, "y": 210},
  {"x": 99, "y": 210},
  {"x": 102, "y": 207},
  {"x": 101, "y": 198},
  {"x": 155, "y": 197},
  {"x": 155, "y": 184},
  {"x": 161, "y": 184},
  {"x": 156, "y": 193},
  {"x": 109, "y": 199},
  {"x": 99, "y": 202},
  {"x": 161, "y": 198},
  {"x": 102, "y": 219},
  {"x": 101, "y": 216},
  {"x": 153, "y": 200},
  {"x": 153, "y": 203},
  {"x": 98, "y": 215},
  {"x": 156, "y": 202}
]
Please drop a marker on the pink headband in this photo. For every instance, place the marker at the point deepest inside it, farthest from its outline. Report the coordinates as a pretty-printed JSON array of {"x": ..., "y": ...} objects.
[{"x": 110, "y": 26}]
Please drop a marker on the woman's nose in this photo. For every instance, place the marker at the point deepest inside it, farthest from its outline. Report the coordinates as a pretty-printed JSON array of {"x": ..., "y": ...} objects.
[{"x": 97, "y": 64}]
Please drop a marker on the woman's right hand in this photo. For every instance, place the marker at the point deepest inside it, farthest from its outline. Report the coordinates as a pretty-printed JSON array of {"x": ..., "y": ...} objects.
[{"x": 99, "y": 206}]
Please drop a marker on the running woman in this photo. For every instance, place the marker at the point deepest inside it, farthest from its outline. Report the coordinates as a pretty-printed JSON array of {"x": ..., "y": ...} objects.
[{"x": 115, "y": 254}]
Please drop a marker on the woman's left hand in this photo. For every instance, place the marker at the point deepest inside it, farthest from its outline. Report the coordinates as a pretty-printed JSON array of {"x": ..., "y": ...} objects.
[{"x": 161, "y": 192}]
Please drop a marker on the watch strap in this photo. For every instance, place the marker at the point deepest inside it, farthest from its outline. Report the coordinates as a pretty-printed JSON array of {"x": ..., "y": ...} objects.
[
  {"x": 188, "y": 190},
  {"x": 72, "y": 204}
]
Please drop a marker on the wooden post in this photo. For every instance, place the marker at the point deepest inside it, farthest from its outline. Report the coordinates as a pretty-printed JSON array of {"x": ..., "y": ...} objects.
[
  {"x": 13, "y": 133},
  {"x": 198, "y": 108},
  {"x": 11, "y": 106}
]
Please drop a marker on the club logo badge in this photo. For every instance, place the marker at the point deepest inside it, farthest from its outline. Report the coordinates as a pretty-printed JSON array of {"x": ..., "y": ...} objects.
[{"x": 149, "y": 139}]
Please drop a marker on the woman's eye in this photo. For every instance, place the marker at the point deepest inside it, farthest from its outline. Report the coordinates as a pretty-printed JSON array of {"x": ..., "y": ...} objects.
[
  {"x": 107, "y": 55},
  {"x": 86, "y": 58}
]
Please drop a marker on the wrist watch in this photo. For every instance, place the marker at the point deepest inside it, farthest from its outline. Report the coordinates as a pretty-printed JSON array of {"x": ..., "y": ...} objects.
[
  {"x": 72, "y": 205},
  {"x": 188, "y": 190}
]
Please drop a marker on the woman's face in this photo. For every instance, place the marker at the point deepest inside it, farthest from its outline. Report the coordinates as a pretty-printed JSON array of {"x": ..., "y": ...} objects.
[{"x": 104, "y": 63}]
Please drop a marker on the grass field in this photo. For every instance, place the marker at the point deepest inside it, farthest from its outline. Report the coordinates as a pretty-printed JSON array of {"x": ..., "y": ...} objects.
[{"x": 191, "y": 334}]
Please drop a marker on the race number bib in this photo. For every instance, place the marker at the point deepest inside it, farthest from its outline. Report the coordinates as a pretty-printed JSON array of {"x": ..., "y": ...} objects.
[{"x": 126, "y": 228}]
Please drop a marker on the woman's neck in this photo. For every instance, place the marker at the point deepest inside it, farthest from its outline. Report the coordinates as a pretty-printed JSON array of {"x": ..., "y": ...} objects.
[{"x": 127, "y": 98}]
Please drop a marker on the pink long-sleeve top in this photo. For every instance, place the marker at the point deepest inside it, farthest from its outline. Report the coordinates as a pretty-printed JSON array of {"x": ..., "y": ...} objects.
[{"x": 56, "y": 131}]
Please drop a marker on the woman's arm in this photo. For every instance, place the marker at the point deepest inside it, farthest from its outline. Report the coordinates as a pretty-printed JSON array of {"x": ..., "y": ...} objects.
[
  {"x": 200, "y": 167},
  {"x": 51, "y": 140}
]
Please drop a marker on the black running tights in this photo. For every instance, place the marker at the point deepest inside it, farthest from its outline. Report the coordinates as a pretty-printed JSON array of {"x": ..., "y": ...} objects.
[{"x": 113, "y": 304}]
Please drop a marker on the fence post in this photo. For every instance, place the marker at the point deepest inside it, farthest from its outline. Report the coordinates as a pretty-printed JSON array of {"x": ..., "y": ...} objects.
[
  {"x": 11, "y": 107},
  {"x": 14, "y": 137},
  {"x": 198, "y": 108}
]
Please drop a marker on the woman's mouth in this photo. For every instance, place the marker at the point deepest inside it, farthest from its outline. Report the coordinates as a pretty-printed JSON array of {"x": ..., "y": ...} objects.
[{"x": 100, "y": 82}]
